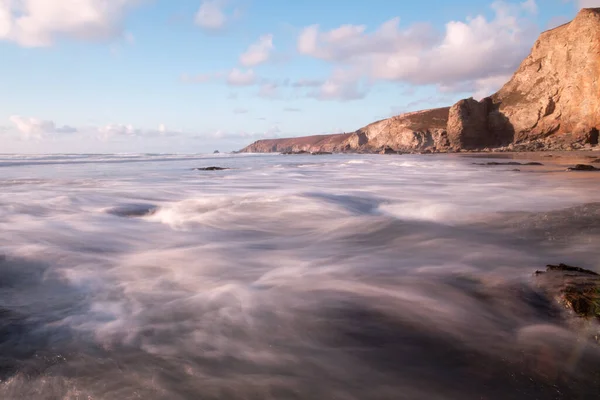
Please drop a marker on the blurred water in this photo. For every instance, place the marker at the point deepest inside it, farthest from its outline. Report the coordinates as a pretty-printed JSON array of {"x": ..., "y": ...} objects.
[{"x": 289, "y": 277}]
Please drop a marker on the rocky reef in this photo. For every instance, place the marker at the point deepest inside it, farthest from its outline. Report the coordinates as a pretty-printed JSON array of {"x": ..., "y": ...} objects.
[{"x": 552, "y": 102}]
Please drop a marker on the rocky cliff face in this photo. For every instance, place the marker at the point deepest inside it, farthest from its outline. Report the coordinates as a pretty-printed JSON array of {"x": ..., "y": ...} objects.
[
  {"x": 551, "y": 102},
  {"x": 556, "y": 90}
]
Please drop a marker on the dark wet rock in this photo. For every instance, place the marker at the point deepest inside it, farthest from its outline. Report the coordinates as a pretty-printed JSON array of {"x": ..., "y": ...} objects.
[
  {"x": 568, "y": 268},
  {"x": 287, "y": 153},
  {"x": 133, "y": 210},
  {"x": 321, "y": 153},
  {"x": 210, "y": 169},
  {"x": 216, "y": 152},
  {"x": 495, "y": 163},
  {"x": 516, "y": 170},
  {"x": 583, "y": 167},
  {"x": 576, "y": 290}
]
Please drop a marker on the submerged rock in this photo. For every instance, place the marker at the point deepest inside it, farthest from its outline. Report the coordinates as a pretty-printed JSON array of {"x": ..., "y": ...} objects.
[
  {"x": 210, "y": 169},
  {"x": 583, "y": 167},
  {"x": 133, "y": 210}
]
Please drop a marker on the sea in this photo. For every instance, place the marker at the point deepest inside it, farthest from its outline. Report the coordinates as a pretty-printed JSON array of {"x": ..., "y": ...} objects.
[{"x": 137, "y": 276}]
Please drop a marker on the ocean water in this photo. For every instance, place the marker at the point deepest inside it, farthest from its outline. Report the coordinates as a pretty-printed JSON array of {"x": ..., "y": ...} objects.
[{"x": 289, "y": 277}]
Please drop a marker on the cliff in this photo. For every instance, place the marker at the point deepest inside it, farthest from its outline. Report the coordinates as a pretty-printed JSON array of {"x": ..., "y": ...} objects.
[
  {"x": 551, "y": 102},
  {"x": 556, "y": 90},
  {"x": 326, "y": 143}
]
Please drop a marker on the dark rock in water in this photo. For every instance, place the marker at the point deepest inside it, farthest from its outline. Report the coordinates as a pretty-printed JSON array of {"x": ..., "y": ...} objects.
[
  {"x": 321, "y": 153},
  {"x": 576, "y": 290},
  {"x": 583, "y": 167},
  {"x": 494, "y": 163},
  {"x": 133, "y": 210},
  {"x": 210, "y": 169},
  {"x": 295, "y": 152},
  {"x": 216, "y": 152},
  {"x": 568, "y": 268},
  {"x": 516, "y": 170}
]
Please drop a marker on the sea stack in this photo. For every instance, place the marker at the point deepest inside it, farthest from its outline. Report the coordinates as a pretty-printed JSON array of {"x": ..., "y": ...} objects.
[{"x": 551, "y": 102}]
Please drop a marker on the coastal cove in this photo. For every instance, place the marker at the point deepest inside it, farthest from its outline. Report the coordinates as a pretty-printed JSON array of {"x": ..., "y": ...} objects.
[{"x": 277, "y": 200}]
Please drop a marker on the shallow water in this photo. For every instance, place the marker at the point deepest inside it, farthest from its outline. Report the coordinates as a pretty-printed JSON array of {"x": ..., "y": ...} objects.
[{"x": 289, "y": 277}]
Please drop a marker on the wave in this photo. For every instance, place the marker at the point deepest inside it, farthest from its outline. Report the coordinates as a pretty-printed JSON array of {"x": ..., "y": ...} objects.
[{"x": 365, "y": 282}]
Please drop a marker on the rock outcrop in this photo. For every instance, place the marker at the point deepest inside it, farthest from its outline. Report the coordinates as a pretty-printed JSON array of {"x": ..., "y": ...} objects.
[
  {"x": 416, "y": 131},
  {"x": 556, "y": 90},
  {"x": 551, "y": 102},
  {"x": 309, "y": 144}
]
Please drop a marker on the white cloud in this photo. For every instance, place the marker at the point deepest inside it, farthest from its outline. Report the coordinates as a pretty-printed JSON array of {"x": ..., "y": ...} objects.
[
  {"x": 467, "y": 51},
  {"x": 269, "y": 90},
  {"x": 530, "y": 6},
  {"x": 272, "y": 132},
  {"x": 258, "y": 53},
  {"x": 342, "y": 85},
  {"x": 111, "y": 131},
  {"x": 588, "y": 3},
  {"x": 237, "y": 77},
  {"x": 38, "y": 129},
  {"x": 214, "y": 15},
  {"x": 34, "y": 128},
  {"x": 36, "y": 23}
]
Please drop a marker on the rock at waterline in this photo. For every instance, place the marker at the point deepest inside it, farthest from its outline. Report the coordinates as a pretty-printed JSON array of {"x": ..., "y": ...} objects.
[
  {"x": 583, "y": 167},
  {"x": 495, "y": 163},
  {"x": 210, "y": 169},
  {"x": 388, "y": 150},
  {"x": 321, "y": 153},
  {"x": 577, "y": 290},
  {"x": 216, "y": 152}
]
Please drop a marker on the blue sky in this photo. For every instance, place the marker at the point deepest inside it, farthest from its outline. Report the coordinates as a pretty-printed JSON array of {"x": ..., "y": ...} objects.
[{"x": 194, "y": 76}]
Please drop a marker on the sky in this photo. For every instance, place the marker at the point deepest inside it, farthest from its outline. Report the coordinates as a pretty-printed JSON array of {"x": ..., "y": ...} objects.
[{"x": 194, "y": 76}]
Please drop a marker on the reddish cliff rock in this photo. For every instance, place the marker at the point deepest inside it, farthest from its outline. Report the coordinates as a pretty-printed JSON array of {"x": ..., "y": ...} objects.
[
  {"x": 421, "y": 130},
  {"x": 317, "y": 143},
  {"x": 551, "y": 102},
  {"x": 556, "y": 90}
]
